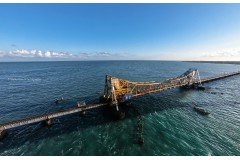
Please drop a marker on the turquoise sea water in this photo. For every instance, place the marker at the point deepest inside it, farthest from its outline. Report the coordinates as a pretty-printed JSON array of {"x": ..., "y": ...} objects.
[{"x": 171, "y": 127}]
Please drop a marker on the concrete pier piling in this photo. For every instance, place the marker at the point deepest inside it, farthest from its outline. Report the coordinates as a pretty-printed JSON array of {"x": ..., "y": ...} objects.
[
  {"x": 48, "y": 122},
  {"x": 2, "y": 133},
  {"x": 83, "y": 113}
]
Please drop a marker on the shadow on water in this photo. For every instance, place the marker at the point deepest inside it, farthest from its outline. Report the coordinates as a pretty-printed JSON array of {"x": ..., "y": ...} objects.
[{"x": 67, "y": 124}]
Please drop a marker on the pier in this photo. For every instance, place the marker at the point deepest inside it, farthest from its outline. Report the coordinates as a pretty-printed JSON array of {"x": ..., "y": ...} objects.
[
  {"x": 209, "y": 79},
  {"x": 118, "y": 91},
  {"x": 45, "y": 117}
]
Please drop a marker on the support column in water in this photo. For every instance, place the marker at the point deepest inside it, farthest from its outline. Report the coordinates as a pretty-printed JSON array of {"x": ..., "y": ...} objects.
[
  {"x": 48, "y": 122},
  {"x": 2, "y": 133}
]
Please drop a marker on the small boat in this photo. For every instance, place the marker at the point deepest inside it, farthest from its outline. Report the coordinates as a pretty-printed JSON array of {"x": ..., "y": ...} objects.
[{"x": 201, "y": 111}]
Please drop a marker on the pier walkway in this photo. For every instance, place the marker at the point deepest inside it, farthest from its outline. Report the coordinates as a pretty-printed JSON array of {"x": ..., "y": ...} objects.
[
  {"x": 48, "y": 116},
  {"x": 209, "y": 79}
]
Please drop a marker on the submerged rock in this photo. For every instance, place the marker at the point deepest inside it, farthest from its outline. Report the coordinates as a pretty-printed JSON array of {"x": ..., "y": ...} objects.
[{"x": 201, "y": 111}]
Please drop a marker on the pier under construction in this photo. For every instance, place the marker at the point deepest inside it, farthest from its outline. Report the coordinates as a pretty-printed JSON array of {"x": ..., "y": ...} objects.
[{"x": 118, "y": 91}]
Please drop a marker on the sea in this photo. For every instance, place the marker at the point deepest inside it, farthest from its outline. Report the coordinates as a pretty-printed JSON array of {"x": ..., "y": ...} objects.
[{"x": 171, "y": 127}]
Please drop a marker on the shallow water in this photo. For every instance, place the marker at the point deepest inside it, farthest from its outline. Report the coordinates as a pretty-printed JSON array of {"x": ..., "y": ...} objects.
[{"x": 171, "y": 127}]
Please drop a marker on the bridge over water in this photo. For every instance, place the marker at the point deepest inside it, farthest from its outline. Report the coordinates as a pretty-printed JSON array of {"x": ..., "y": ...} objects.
[{"x": 117, "y": 91}]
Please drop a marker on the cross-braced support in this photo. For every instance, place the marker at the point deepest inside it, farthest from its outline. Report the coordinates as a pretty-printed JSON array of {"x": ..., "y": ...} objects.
[{"x": 121, "y": 90}]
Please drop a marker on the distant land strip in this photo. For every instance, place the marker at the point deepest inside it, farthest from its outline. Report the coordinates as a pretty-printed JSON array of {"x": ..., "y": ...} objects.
[{"x": 218, "y": 62}]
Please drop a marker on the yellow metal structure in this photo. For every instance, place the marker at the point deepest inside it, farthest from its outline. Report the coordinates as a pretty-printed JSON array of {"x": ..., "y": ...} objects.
[{"x": 117, "y": 89}]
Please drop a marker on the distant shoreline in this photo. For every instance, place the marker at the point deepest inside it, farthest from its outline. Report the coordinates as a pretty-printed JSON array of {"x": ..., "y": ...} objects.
[
  {"x": 217, "y": 62},
  {"x": 40, "y": 61}
]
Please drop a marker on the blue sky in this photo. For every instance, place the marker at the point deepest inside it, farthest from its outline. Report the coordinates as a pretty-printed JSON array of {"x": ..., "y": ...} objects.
[{"x": 119, "y": 31}]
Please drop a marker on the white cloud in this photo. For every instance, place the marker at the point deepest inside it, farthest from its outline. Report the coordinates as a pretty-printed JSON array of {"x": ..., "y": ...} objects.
[
  {"x": 39, "y": 54},
  {"x": 2, "y": 54},
  {"x": 222, "y": 55},
  {"x": 104, "y": 54},
  {"x": 23, "y": 53},
  {"x": 48, "y": 54},
  {"x": 35, "y": 54},
  {"x": 55, "y": 54},
  {"x": 63, "y": 55}
]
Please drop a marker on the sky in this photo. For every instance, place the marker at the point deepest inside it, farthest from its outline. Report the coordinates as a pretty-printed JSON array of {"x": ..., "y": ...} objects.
[{"x": 48, "y": 32}]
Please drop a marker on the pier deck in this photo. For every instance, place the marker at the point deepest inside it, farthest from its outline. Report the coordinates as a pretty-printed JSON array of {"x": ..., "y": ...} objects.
[
  {"x": 209, "y": 79},
  {"x": 48, "y": 116}
]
